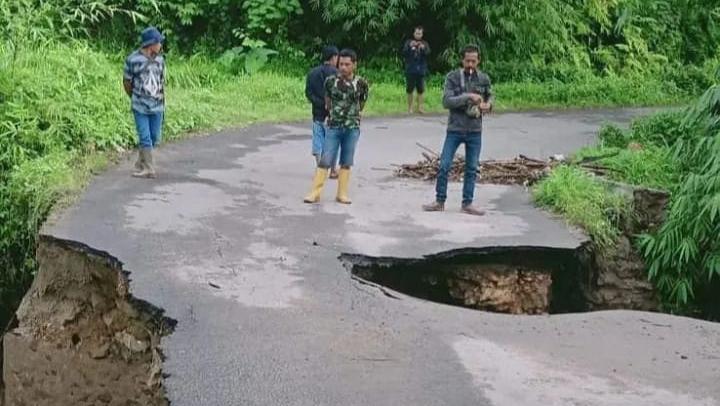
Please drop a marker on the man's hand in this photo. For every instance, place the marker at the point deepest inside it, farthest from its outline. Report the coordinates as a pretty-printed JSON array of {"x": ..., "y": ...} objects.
[
  {"x": 485, "y": 107},
  {"x": 127, "y": 85},
  {"x": 475, "y": 98}
]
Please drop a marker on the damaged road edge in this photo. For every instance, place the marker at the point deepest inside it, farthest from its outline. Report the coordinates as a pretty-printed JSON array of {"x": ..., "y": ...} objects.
[
  {"x": 515, "y": 280},
  {"x": 80, "y": 337}
]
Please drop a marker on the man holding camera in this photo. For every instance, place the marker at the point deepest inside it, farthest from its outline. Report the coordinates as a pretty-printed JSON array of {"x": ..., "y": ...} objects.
[
  {"x": 467, "y": 95},
  {"x": 415, "y": 52}
]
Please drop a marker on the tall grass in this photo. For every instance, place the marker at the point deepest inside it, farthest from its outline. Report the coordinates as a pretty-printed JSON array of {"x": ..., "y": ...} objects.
[
  {"x": 643, "y": 165},
  {"x": 583, "y": 202}
]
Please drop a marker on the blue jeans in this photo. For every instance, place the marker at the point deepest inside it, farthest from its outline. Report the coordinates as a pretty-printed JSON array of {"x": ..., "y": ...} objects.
[
  {"x": 473, "y": 144},
  {"x": 149, "y": 128},
  {"x": 343, "y": 139},
  {"x": 318, "y": 139}
]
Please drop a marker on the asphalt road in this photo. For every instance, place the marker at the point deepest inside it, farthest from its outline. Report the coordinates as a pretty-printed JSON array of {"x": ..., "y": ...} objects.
[{"x": 268, "y": 315}]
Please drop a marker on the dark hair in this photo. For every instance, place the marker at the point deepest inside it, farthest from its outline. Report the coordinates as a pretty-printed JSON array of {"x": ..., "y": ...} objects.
[
  {"x": 470, "y": 49},
  {"x": 419, "y": 27},
  {"x": 348, "y": 53},
  {"x": 328, "y": 52}
]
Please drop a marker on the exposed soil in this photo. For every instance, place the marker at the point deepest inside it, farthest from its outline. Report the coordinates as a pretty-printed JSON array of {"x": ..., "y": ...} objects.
[{"x": 81, "y": 338}]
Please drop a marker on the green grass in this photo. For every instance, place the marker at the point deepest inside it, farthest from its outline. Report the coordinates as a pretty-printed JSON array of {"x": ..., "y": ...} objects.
[
  {"x": 63, "y": 114},
  {"x": 583, "y": 202},
  {"x": 649, "y": 166}
]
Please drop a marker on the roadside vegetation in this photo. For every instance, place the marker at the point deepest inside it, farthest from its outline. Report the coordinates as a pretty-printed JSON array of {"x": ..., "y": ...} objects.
[
  {"x": 63, "y": 113},
  {"x": 678, "y": 152}
]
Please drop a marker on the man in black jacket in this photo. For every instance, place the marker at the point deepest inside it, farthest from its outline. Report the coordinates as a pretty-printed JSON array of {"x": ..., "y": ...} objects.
[
  {"x": 468, "y": 96},
  {"x": 315, "y": 93},
  {"x": 415, "y": 52}
]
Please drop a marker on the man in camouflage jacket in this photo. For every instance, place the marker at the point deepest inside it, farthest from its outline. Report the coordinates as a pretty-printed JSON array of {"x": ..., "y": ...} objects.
[{"x": 345, "y": 97}]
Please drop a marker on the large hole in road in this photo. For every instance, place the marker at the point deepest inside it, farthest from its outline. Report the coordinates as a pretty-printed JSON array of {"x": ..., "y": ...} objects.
[{"x": 515, "y": 280}]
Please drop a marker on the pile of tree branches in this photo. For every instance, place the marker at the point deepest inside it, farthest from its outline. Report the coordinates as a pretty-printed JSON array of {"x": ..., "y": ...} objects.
[{"x": 521, "y": 170}]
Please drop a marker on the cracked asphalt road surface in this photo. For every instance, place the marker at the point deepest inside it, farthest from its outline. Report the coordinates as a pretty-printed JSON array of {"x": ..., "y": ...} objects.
[{"x": 268, "y": 315}]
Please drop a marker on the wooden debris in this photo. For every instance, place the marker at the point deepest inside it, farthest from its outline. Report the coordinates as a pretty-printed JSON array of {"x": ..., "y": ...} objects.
[{"x": 522, "y": 170}]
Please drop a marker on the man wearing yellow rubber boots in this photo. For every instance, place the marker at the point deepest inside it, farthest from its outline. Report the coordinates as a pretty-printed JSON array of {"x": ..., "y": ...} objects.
[{"x": 345, "y": 96}]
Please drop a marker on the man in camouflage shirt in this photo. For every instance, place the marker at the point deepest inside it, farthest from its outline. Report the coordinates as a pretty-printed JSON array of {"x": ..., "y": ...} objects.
[{"x": 345, "y": 96}]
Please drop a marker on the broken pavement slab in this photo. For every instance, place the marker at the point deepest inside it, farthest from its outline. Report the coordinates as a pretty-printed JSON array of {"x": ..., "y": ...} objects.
[{"x": 267, "y": 314}]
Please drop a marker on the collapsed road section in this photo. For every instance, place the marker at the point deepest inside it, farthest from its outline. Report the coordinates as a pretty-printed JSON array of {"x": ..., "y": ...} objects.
[
  {"x": 514, "y": 280},
  {"x": 80, "y": 338}
]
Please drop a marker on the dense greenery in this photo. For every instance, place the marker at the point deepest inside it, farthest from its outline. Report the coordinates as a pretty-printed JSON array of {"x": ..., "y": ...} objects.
[
  {"x": 63, "y": 112},
  {"x": 522, "y": 40},
  {"x": 684, "y": 256},
  {"x": 677, "y": 151}
]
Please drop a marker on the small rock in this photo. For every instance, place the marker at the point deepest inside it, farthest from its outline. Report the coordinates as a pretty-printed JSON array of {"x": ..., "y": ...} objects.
[
  {"x": 105, "y": 397},
  {"x": 100, "y": 351},
  {"x": 127, "y": 308},
  {"x": 131, "y": 343}
]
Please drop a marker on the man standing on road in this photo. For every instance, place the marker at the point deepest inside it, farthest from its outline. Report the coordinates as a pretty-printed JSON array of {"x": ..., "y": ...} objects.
[
  {"x": 345, "y": 97},
  {"x": 144, "y": 82},
  {"x": 415, "y": 52},
  {"x": 315, "y": 93},
  {"x": 468, "y": 96}
]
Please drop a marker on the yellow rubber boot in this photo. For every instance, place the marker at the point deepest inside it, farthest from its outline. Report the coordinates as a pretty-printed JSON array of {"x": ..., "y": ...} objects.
[
  {"x": 321, "y": 175},
  {"x": 343, "y": 185}
]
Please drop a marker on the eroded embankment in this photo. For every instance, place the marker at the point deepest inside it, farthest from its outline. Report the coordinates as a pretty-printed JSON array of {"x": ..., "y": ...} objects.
[{"x": 80, "y": 338}]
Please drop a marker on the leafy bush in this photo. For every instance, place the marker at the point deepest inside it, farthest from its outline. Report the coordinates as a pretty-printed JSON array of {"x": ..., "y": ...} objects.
[
  {"x": 539, "y": 40},
  {"x": 612, "y": 136},
  {"x": 684, "y": 255},
  {"x": 662, "y": 129}
]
